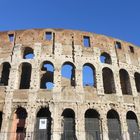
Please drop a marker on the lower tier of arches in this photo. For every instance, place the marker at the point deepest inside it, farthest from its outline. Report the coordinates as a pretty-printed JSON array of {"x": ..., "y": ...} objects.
[{"x": 70, "y": 121}]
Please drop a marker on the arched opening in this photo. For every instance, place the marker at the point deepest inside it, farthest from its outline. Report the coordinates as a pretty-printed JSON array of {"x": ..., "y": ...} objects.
[
  {"x": 68, "y": 125},
  {"x": 92, "y": 125},
  {"x": 89, "y": 78},
  {"x": 18, "y": 131},
  {"x": 5, "y": 73},
  {"x": 0, "y": 120},
  {"x": 132, "y": 123},
  {"x": 43, "y": 124},
  {"x": 28, "y": 53},
  {"x": 114, "y": 127},
  {"x": 137, "y": 81},
  {"x": 25, "y": 70},
  {"x": 105, "y": 58},
  {"x": 68, "y": 74},
  {"x": 47, "y": 75},
  {"x": 125, "y": 82},
  {"x": 108, "y": 81}
]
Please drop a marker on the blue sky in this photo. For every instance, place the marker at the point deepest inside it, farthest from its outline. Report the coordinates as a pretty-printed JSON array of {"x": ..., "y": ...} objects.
[{"x": 116, "y": 18}]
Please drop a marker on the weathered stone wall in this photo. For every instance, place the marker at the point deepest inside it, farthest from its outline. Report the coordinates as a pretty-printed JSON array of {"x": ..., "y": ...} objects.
[{"x": 66, "y": 46}]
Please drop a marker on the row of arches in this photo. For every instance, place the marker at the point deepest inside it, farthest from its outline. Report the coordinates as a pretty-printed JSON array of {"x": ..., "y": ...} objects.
[
  {"x": 89, "y": 77},
  {"x": 92, "y": 124},
  {"x": 28, "y": 53},
  {"x": 68, "y": 72}
]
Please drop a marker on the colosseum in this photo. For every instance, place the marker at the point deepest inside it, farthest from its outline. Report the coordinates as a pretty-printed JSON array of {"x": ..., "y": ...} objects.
[{"x": 59, "y": 84}]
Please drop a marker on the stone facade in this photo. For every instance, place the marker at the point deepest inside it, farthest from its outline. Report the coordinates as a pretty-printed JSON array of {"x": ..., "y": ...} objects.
[{"x": 66, "y": 46}]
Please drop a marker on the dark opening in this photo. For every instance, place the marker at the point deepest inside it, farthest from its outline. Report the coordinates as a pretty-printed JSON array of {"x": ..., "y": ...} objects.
[
  {"x": 118, "y": 45},
  {"x": 89, "y": 73},
  {"x": 114, "y": 127},
  {"x": 48, "y": 36},
  {"x": 137, "y": 81},
  {"x": 132, "y": 124},
  {"x": 131, "y": 115},
  {"x": 47, "y": 76},
  {"x": 73, "y": 49},
  {"x": 5, "y": 73},
  {"x": 0, "y": 120},
  {"x": 86, "y": 41},
  {"x": 131, "y": 49},
  {"x": 21, "y": 130},
  {"x": 21, "y": 113},
  {"x": 105, "y": 58},
  {"x": 92, "y": 125},
  {"x": 43, "y": 125},
  {"x": 68, "y": 125},
  {"x": 68, "y": 73},
  {"x": 53, "y": 46},
  {"x": 91, "y": 113},
  {"x": 112, "y": 114},
  {"x": 11, "y": 37},
  {"x": 26, "y": 69},
  {"x": 108, "y": 81},
  {"x": 68, "y": 113},
  {"x": 125, "y": 82},
  {"x": 28, "y": 53}
]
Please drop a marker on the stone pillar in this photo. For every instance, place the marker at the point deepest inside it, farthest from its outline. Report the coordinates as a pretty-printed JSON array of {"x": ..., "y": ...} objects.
[
  {"x": 57, "y": 78},
  {"x": 76, "y": 123},
  {"x": 81, "y": 123},
  {"x": 97, "y": 54},
  {"x": 6, "y": 118},
  {"x": 58, "y": 50},
  {"x": 57, "y": 71},
  {"x": 30, "y": 122},
  {"x": 117, "y": 82},
  {"x": 35, "y": 77},
  {"x": 56, "y": 130},
  {"x": 31, "y": 115},
  {"x": 37, "y": 50},
  {"x": 128, "y": 59},
  {"x": 53, "y": 126},
  {"x": 99, "y": 80},
  {"x": 79, "y": 68},
  {"x": 104, "y": 127},
  {"x": 57, "y": 83},
  {"x": 98, "y": 71},
  {"x": 17, "y": 53},
  {"x": 138, "y": 119},
  {"x": 139, "y": 61},
  {"x": 113, "y": 57},
  {"x": 124, "y": 127},
  {"x": 79, "y": 79},
  {"x": 133, "y": 84}
]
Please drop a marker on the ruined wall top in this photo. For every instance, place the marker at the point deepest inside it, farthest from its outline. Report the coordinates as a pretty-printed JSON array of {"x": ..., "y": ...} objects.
[{"x": 27, "y": 38}]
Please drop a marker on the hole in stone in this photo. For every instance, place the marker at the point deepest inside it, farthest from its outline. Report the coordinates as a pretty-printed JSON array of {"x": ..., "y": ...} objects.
[
  {"x": 86, "y": 41},
  {"x": 48, "y": 36},
  {"x": 28, "y": 53},
  {"x": 118, "y": 45},
  {"x": 11, "y": 37}
]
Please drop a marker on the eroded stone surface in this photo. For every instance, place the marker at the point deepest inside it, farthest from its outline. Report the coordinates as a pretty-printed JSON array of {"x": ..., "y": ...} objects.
[{"x": 66, "y": 46}]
